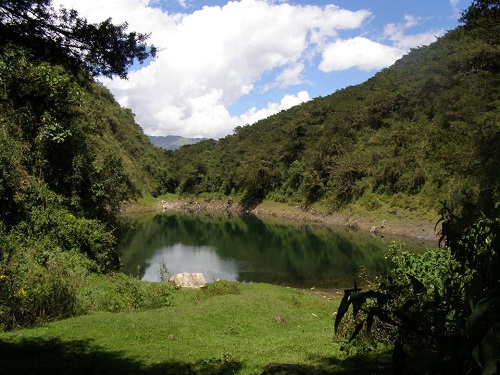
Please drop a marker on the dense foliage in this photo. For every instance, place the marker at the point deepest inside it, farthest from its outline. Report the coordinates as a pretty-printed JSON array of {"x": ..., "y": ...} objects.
[
  {"x": 69, "y": 157},
  {"x": 421, "y": 131},
  {"x": 441, "y": 309}
]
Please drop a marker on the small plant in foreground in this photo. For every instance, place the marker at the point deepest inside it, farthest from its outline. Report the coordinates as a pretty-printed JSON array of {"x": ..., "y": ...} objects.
[{"x": 165, "y": 273}]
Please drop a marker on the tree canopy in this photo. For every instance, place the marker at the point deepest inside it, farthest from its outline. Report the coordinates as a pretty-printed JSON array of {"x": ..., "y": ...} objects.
[
  {"x": 480, "y": 9},
  {"x": 63, "y": 38}
]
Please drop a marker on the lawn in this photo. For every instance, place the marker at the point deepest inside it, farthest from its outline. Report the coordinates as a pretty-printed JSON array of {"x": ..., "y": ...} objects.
[{"x": 224, "y": 329}]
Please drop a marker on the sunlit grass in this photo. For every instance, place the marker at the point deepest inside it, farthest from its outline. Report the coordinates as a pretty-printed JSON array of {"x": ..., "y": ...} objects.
[{"x": 240, "y": 329}]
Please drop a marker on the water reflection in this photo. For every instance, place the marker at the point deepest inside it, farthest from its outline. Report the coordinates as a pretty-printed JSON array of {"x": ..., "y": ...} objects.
[
  {"x": 186, "y": 258},
  {"x": 247, "y": 249}
]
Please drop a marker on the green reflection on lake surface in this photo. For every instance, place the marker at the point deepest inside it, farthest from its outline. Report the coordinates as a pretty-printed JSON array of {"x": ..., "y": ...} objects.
[{"x": 248, "y": 249}]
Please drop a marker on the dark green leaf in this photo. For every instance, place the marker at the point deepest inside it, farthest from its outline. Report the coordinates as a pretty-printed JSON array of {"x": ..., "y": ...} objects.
[
  {"x": 369, "y": 324},
  {"x": 343, "y": 308},
  {"x": 358, "y": 328},
  {"x": 490, "y": 348},
  {"x": 382, "y": 315},
  {"x": 418, "y": 287},
  {"x": 407, "y": 305},
  {"x": 475, "y": 289},
  {"x": 356, "y": 289},
  {"x": 357, "y": 299},
  {"x": 476, "y": 325}
]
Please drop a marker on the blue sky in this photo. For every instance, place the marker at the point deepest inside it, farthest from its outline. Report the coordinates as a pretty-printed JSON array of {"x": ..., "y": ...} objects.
[{"x": 226, "y": 64}]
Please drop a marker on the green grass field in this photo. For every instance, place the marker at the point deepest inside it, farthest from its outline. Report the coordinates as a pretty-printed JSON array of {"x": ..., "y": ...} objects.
[{"x": 223, "y": 329}]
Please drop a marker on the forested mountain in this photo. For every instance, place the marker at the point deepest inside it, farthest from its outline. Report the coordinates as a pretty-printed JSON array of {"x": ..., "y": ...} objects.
[
  {"x": 423, "y": 134},
  {"x": 422, "y": 131}
]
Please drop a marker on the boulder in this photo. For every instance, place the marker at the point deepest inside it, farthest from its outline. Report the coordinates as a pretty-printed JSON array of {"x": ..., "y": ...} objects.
[{"x": 189, "y": 280}]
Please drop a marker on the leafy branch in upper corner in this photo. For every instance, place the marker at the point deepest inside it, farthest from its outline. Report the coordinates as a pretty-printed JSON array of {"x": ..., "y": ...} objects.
[{"x": 64, "y": 38}]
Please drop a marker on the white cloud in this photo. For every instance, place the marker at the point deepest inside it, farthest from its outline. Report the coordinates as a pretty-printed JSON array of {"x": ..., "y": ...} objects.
[
  {"x": 218, "y": 54},
  {"x": 366, "y": 54},
  {"x": 183, "y": 3},
  {"x": 291, "y": 75},
  {"x": 288, "y": 101},
  {"x": 358, "y": 52},
  {"x": 214, "y": 56},
  {"x": 396, "y": 34},
  {"x": 455, "y": 7}
]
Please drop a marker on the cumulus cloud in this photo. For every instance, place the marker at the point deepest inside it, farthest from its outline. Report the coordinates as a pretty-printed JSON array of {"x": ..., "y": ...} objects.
[
  {"x": 288, "y": 101},
  {"x": 291, "y": 75},
  {"x": 396, "y": 34},
  {"x": 366, "y": 54},
  {"x": 216, "y": 55},
  {"x": 358, "y": 52}
]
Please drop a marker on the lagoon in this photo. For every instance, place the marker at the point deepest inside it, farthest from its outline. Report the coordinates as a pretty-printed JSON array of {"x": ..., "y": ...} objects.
[{"x": 248, "y": 249}]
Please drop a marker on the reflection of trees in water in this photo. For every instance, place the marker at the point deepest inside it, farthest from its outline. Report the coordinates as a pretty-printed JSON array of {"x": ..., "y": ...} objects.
[{"x": 266, "y": 251}]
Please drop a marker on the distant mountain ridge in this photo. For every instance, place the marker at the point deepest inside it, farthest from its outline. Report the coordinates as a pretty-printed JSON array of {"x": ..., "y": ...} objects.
[{"x": 172, "y": 142}]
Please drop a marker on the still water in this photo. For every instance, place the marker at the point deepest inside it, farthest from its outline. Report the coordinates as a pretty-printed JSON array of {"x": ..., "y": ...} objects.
[{"x": 248, "y": 249}]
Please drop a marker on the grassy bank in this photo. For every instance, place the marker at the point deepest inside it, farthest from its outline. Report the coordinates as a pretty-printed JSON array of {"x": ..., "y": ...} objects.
[{"x": 223, "y": 329}]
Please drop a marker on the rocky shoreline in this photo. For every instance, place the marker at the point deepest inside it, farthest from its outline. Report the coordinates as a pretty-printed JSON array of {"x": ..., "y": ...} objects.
[{"x": 376, "y": 223}]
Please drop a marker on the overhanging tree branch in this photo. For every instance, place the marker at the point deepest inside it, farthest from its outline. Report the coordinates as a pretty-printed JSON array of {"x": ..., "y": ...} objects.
[{"x": 66, "y": 39}]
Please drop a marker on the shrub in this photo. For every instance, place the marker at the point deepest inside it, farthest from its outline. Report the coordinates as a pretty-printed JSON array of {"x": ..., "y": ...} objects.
[
  {"x": 71, "y": 233},
  {"x": 370, "y": 201},
  {"x": 442, "y": 306},
  {"x": 119, "y": 292},
  {"x": 38, "y": 283}
]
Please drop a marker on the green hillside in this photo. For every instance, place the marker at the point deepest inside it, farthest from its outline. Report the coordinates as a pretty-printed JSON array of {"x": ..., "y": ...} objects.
[
  {"x": 69, "y": 156},
  {"x": 76, "y": 140},
  {"x": 422, "y": 131}
]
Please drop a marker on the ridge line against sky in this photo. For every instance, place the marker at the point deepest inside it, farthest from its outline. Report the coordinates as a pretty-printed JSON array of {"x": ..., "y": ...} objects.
[{"x": 227, "y": 64}]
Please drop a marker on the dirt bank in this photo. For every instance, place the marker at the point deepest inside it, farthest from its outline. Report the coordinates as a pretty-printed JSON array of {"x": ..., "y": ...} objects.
[{"x": 379, "y": 223}]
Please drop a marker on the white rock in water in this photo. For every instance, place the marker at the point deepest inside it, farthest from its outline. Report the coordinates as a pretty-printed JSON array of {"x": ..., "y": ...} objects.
[{"x": 189, "y": 280}]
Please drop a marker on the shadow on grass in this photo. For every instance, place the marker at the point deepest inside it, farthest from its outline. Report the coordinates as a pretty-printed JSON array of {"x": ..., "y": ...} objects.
[
  {"x": 359, "y": 365},
  {"x": 37, "y": 356},
  {"x": 370, "y": 364}
]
